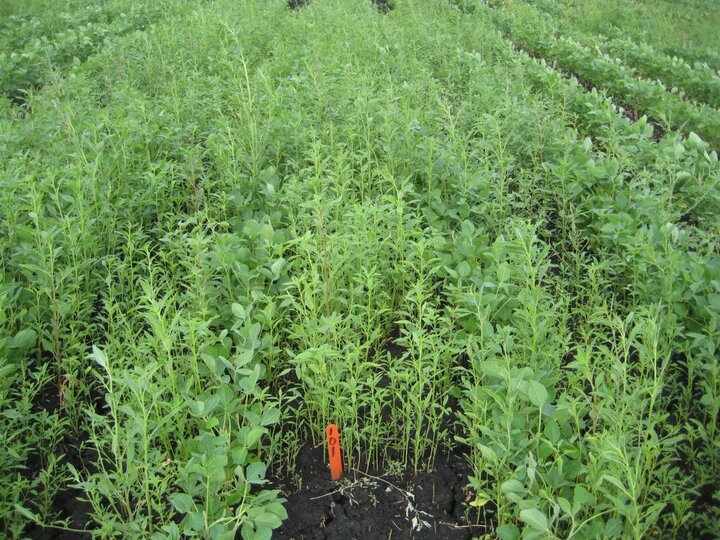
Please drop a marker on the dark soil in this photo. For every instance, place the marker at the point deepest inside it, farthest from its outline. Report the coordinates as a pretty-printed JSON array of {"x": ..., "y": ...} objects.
[
  {"x": 78, "y": 513},
  {"x": 384, "y": 6},
  {"x": 66, "y": 503},
  {"x": 374, "y": 506},
  {"x": 297, "y": 4}
]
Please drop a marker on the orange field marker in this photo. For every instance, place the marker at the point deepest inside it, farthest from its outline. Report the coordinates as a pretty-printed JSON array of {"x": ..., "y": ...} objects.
[{"x": 333, "y": 442}]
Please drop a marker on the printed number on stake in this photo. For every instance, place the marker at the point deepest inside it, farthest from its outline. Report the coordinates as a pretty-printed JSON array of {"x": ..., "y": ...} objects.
[{"x": 333, "y": 444}]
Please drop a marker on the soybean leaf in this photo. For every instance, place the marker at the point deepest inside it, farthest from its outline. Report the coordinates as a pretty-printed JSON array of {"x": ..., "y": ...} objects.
[
  {"x": 255, "y": 473},
  {"x": 535, "y": 518},
  {"x": 537, "y": 393},
  {"x": 182, "y": 502}
]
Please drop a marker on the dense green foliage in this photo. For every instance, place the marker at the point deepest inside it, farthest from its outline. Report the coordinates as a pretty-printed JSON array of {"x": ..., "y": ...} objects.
[
  {"x": 686, "y": 28},
  {"x": 225, "y": 224}
]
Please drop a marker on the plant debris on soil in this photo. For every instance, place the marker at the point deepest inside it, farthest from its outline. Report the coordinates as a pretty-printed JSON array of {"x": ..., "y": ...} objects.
[{"x": 430, "y": 505}]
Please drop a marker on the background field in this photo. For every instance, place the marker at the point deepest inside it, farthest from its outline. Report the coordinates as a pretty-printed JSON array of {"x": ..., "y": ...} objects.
[{"x": 479, "y": 236}]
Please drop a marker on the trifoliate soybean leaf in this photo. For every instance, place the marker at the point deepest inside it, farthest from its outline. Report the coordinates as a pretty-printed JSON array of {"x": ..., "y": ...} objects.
[
  {"x": 268, "y": 520},
  {"x": 504, "y": 272},
  {"x": 535, "y": 518},
  {"x": 492, "y": 368},
  {"x": 255, "y": 473},
  {"x": 565, "y": 505},
  {"x": 261, "y": 533},
  {"x": 694, "y": 141},
  {"x": 613, "y": 528},
  {"x": 171, "y": 532},
  {"x": 515, "y": 498},
  {"x": 23, "y": 340},
  {"x": 548, "y": 409},
  {"x": 508, "y": 531},
  {"x": 552, "y": 430},
  {"x": 512, "y": 486},
  {"x": 247, "y": 531},
  {"x": 195, "y": 521},
  {"x": 216, "y": 468},
  {"x": 467, "y": 227},
  {"x": 220, "y": 531},
  {"x": 182, "y": 502},
  {"x": 464, "y": 269},
  {"x": 537, "y": 393},
  {"x": 277, "y": 508},
  {"x": 254, "y": 436},
  {"x": 238, "y": 311},
  {"x": 243, "y": 359},
  {"x": 270, "y": 416}
]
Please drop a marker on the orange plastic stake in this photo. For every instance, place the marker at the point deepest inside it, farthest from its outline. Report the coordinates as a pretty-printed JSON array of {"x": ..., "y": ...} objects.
[{"x": 333, "y": 443}]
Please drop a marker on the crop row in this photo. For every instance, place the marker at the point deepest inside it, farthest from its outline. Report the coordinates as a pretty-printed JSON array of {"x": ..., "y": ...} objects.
[
  {"x": 30, "y": 65},
  {"x": 637, "y": 141},
  {"x": 697, "y": 57},
  {"x": 700, "y": 83},
  {"x": 596, "y": 116},
  {"x": 622, "y": 219},
  {"x": 644, "y": 24},
  {"x": 602, "y": 71},
  {"x": 17, "y": 31}
]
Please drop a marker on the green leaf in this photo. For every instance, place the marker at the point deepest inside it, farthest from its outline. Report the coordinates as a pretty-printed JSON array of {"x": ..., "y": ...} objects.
[
  {"x": 492, "y": 368},
  {"x": 270, "y": 416},
  {"x": 535, "y": 518},
  {"x": 581, "y": 498},
  {"x": 267, "y": 520},
  {"x": 479, "y": 501},
  {"x": 615, "y": 481},
  {"x": 248, "y": 531},
  {"x": 276, "y": 507},
  {"x": 23, "y": 340},
  {"x": 552, "y": 430},
  {"x": 537, "y": 393},
  {"x": 276, "y": 267},
  {"x": 238, "y": 311},
  {"x": 255, "y": 473},
  {"x": 512, "y": 486},
  {"x": 256, "y": 533},
  {"x": 100, "y": 357},
  {"x": 195, "y": 521},
  {"x": 508, "y": 531},
  {"x": 221, "y": 532},
  {"x": 26, "y": 513},
  {"x": 182, "y": 502},
  {"x": 215, "y": 467},
  {"x": 613, "y": 528},
  {"x": 565, "y": 505},
  {"x": 464, "y": 270}
]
